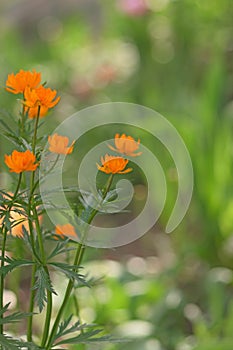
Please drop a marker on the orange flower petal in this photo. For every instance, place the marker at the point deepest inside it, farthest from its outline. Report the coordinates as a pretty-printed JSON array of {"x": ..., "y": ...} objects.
[
  {"x": 17, "y": 83},
  {"x": 126, "y": 145},
  {"x": 113, "y": 165},
  {"x": 21, "y": 161},
  {"x": 65, "y": 230},
  {"x": 41, "y": 96},
  {"x": 59, "y": 144}
]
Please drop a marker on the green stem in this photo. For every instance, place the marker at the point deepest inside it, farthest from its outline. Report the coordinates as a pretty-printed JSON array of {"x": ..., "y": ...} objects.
[
  {"x": 31, "y": 304},
  {"x": 33, "y": 216},
  {"x": 49, "y": 293},
  {"x": 46, "y": 174},
  {"x": 33, "y": 278},
  {"x": 4, "y": 230},
  {"x": 35, "y": 130},
  {"x": 96, "y": 210},
  {"x": 64, "y": 303},
  {"x": 35, "y": 257},
  {"x": 22, "y": 122},
  {"x": 48, "y": 315},
  {"x": 40, "y": 239},
  {"x": 77, "y": 261},
  {"x": 77, "y": 309}
]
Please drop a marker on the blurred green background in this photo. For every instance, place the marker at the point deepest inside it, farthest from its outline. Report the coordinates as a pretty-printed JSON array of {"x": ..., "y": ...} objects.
[{"x": 165, "y": 292}]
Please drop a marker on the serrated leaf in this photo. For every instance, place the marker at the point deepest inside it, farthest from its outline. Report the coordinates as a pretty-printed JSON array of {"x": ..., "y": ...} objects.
[
  {"x": 9, "y": 343},
  {"x": 62, "y": 326},
  {"x": 12, "y": 263},
  {"x": 60, "y": 248},
  {"x": 43, "y": 283},
  {"x": 92, "y": 281},
  {"x": 76, "y": 327},
  {"x": 70, "y": 272},
  {"x": 90, "y": 337},
  {"x": 4, "y": 309},
  {"x": 13, "y": 318}
]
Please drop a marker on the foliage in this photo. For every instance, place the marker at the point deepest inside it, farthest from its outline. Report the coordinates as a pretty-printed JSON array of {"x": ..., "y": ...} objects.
[{"x": 177, "y": 59}]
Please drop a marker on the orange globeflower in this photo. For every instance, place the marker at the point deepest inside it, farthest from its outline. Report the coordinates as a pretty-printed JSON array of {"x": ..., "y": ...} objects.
[
  {"x": 43, "y": 97},
  {"x": 65, "y": 230},
  {"x": 59, "y": 144},
  {"x": 17, "y": 83},
  {"x": 126, "y": 145},
  {"x": 21, "y": 161},
  {"x": 114, "y": 165}
]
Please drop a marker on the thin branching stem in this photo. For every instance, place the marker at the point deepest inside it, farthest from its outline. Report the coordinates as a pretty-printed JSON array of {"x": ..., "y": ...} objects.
[
  {"x": 34, "y": 218},
  {"x": 4, "y": 231},
  {"x": 77, "y": 261}
]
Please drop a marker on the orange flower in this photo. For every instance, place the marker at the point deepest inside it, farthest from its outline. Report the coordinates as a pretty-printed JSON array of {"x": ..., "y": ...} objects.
[
  {"x": 17, "y": 83},
  {"x": 43, "y": 97},
  {"x": 126, "y": 145},
  {"x": 114, "y": 165},
  {"x": 59, "y": 144},
  {"x": 65, "y": 230},
  {"x": 21, "y": 161}
]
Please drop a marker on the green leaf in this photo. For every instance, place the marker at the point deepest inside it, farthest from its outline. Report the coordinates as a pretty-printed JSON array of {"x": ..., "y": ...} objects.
[
  {"x": 62, "y": 326},
  {"x": 43, "y": 283},
  {"x": 60, "y": 248},
  {"x": 63, "y": 330},
  {"x": 82, "y": 337},
  {"x": 12, "y": 263},
  {"x": 92, "y": 281},
  {"x": 13, "y": 318},
  {"x": 89, "y": 337},
  {"x": 70, "y": 272},
  {"x": 4, "y": 309},
  {"x": 9, "y": 343}
]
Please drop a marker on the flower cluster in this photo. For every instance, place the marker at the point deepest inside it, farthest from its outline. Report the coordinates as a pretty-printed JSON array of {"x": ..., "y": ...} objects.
[
  {"x": 37, "y": 101},
  {"x": 21, "y": 213},
  {"x": 37, "y": 98},
  {"x": 125, "y": 145}
]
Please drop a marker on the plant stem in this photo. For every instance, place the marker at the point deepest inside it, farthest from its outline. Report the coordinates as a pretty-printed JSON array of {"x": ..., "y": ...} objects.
[
  {"x": 77, "y": 309},
  {"x": 4, "y": 229},
  {"x": 31, "y": 304},
  {"x": 77, "y": 261},
  {"x": 30, "y": 219},
  {"x": 65, "y": 300},
  {"x": 40, "y": 238},
  {"x": 22, "y": 121},
  {"x": 2, "y": 276},
  {"x": 33, "y": 278},
  {"x": 35, "y": 130},
  {"x": 33, "y": 216},
  {"x": 48, "y": 316}
]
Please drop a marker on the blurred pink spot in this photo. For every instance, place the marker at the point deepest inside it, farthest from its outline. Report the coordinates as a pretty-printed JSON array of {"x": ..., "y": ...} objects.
[{"x": 133, "y": 7}]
